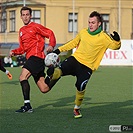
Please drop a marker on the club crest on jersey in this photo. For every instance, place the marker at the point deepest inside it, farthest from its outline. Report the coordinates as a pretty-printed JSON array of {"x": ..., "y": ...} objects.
[{"x": 21, "y": 33}]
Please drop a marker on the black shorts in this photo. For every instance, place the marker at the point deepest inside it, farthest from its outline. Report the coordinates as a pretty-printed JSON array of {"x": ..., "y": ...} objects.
[
  {"x": 36, "y": 67},
  {"x": 71, "y": 66}
]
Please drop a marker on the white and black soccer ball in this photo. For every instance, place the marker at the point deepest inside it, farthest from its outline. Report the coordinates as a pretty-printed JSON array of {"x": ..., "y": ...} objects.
[{"x": 52, "y": 59}]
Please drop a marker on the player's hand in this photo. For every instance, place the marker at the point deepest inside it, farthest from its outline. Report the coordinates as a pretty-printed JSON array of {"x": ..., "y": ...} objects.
[
  {"x": 116, "y": 36},
  {"x": 11, "y": 54},
  {"x": 49, "y": 49},
  {"x": 57, "y": 51}
]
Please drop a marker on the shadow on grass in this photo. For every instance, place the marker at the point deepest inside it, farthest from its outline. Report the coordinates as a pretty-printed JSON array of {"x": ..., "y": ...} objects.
[
  {"x": 58, "y": 118},
  {"x": 106, "y": 112},
  {"x": 67, "y": 101},
  {"x": 62, "y": 102},
  {"x": 16, "y": 82}
]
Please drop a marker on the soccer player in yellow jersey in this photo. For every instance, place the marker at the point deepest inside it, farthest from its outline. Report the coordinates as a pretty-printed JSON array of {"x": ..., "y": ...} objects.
[{"x": 90, "y": 44}]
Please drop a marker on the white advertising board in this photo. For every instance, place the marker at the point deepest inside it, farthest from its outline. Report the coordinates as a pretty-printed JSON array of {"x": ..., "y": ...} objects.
[{"x": 121, "y": 57}]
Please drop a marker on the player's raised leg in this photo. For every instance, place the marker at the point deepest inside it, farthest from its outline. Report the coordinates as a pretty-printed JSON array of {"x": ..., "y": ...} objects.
[{"x": 53, "y": 75}]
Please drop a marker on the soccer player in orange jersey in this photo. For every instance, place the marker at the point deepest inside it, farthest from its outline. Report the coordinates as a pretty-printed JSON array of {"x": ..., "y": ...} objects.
[{"x": 32, "y": 44}]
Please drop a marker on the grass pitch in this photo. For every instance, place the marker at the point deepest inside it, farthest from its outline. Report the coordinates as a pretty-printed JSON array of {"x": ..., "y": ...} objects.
[{"x": 108, "y": 101}]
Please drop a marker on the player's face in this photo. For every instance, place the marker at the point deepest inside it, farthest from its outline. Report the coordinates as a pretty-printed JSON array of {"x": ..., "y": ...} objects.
[
  {"x": 25, "y": 16},
  {"x": 93, "y": 24}
]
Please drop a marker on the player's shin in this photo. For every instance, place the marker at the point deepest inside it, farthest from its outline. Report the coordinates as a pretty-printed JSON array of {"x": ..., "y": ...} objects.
[
  {"x": 79, "y": 98},
  {"x": 78, "y": 102},
  {"x": 26, "y": 90},
  {"x": 57, "y": 74},
  {"x": 51, "y": 80}
]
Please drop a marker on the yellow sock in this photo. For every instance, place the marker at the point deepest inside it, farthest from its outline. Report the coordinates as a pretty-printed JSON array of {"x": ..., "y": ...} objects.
[
  {"x": 57, "y": 73},
  {"x": 79, "y": 97}
]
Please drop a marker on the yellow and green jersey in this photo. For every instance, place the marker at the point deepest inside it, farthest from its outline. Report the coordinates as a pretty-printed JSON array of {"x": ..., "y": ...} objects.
[{"x": 90, "y": 48}]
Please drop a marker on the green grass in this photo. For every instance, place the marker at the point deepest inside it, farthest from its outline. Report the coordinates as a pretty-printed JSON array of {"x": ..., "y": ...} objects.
[{"x": 108, "y": 101}]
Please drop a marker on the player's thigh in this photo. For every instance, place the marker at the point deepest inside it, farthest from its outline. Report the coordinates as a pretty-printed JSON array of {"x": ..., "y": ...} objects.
[
  {"x": 68, "y": 66},
  {"x": 35, "y": 65},
  {"x": 25, "y": 74}
]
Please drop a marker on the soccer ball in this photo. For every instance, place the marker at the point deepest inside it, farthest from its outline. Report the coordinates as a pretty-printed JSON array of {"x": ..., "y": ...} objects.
[{"x": 52, "y": 59}]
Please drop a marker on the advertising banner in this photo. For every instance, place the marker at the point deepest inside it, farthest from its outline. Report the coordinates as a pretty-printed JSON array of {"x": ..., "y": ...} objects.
[{"x": 121, "y": 57}]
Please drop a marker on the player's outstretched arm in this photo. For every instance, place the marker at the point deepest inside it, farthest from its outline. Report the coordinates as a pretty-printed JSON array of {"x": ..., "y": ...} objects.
[{"x": 116, "y": 36}]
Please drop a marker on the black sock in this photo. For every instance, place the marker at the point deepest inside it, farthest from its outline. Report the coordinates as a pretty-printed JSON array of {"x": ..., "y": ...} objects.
[
  {"x": 47, "y": 80},
  {"x": 25, "y": 89},
  {"x": 50, "y": 72},
  {"x": 2, "y": 69},
  {"x": 53, "y": 82}
]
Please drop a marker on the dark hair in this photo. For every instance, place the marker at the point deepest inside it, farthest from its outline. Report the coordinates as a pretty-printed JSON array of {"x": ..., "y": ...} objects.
[
  {"x": 98, "y": 15},
  {"x": 26, "y": 8}
]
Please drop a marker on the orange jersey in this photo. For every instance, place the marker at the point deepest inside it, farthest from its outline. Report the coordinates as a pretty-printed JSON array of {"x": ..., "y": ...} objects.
[{"x": 32, "y": 40}]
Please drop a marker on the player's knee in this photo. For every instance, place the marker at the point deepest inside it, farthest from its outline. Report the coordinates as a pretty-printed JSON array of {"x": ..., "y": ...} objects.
[
  {"x": 45, "y": 89},
  {"x": 21, "y": 78},
  {"x": 81, "y": 86}
]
